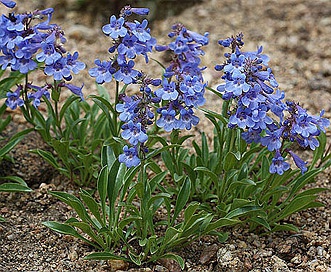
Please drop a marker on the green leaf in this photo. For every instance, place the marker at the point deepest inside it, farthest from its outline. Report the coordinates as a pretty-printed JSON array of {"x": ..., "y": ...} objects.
[
  {"x": 67, "y": 230},
  {"x": 319, "y": 151},
  {"x": 176, "y": 258},
  {"x": 86, "y": 228},
  {"x": 260, "y": 221},
  {"x": 220, "y": 223},
  {"x": 170, "y": 235},
  {"x": 216, "y": 115},
  {"x": 302, "y": 180},
  {"x": 297, "y": 204},
  {"x": 183, "y": 196},
  {"x": 160, "y": 150},
  {"x": 102, "y": 184},
  {"x": 243, "y": 211},
  {"x": 14, "y": 187},
  {"x": 190, "y": 210},
  {"x": 230, "y": 161},
  {"x": 48, "y": 156},
  {"x": 67, "y": 104},
  {"x": 104, "y": 256},
  {"x": 75, "y": 203},
  {"x": 15, "y": 179},
  {"x": 19, "y": 185},
  {"x": 107, "y": 156},
  {"x": 13, "y": 142},
  {"x": 92, "y": 205},
  {"x": 206, "y": 171},
  {"x": 136, "y": 259},
  {"x": 285, "y": 227},
  {"x": 167, "y": 159}
]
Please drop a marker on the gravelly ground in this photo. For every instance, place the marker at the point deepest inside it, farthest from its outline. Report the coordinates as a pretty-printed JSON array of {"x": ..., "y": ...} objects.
[{"x": 296, "y": 34}]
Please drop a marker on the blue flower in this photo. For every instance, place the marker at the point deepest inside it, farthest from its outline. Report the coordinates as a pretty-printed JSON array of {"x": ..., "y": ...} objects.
[
  {"x": 139, "y": 30},
  {"x": 103, "y": 72},
  {"x": 236, "y": 63},
  {"x": 242, "y": 118},
  {"x": 238, "y": 84},
  {"x": 187, "y": 119},
  {"x": 298, "y": 162},
  {"x": 126, "y": 73},
  {"x": 61, "y": 68},
  {"x": 75, "y": 89},
  {"x": 48, "y": 54},
  {"x": 13, "y": 99},
  {"x": 252, "y": 135},
  {"x": 312, "y": 142},
  {"x": 167, "y": 121},
  {"x": 192, "y": 91},
  {"x": 168, "y": 91},
  {"x": 253, "y": 98},
  {"x": 277, "y": 106},
  {"x": 321, "y": 122},
  {"x": 128, "y": 10},
  {"x": 134, "y": 133},
  {"x": 303, "y": 125},
  {"x": 8, "y": 59},
  {"x": 127, "y": 109},
  {"x": 257, "y": 55},
  {"x": 24, "y": 65},
  {"x": 8, "y": 3},
  {"x": 74, "y": 65},
  {"x": 58, "y": 70},
  {"x": 179, "y": 46},
  {"x": 278, "y": 165},
  {"x": 129, "y": 47},
  {"x": 129, "y": 157},
  {"x": 115, "y": 29},
  {"x": 36, "y": 96},
  {"x": 260, "y": 118},
  {"x": 198, "y": 38},
  {"x": 273, "y": 139}
]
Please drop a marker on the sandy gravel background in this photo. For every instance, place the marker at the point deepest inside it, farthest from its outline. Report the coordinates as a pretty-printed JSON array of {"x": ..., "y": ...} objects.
[{"x": 296, "y": 34}]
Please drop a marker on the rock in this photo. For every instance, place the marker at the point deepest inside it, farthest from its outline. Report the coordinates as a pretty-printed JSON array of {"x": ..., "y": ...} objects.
[
  {"x": 319, "y": 251},
  {"x": 208, "y": 253},
  {"x": 73, "y": 255},
  {"x": 279, "y": 265},
  {"x": 11, "y": 237},
  {"x": 170, "y": 264},
  {"x": 116, "y": 265},
  {"x": 224, "y": 255},
  {"x": 160, "y": 268}
]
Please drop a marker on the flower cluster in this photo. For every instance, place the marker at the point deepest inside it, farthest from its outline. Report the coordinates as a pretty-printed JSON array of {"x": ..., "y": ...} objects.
[
  {"x": 28, "y": 40},
  {"x": 183, "y": 86},
  {"x": 136, "y": 113},
  {"x": 181, "y": 90},
  {"x": 260, "y": 110},
  {"x": 130, "y": 39}
]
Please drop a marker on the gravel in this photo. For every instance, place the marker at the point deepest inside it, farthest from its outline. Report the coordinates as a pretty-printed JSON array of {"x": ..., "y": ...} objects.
[{"x": 296, "y": 34}]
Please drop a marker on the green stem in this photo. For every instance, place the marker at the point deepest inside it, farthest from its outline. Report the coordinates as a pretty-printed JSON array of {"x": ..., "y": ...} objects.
[
  {"x": 28, "y": 114},
  {"x": 117, "y": 89},
  {"x": 59, "y": 132}
]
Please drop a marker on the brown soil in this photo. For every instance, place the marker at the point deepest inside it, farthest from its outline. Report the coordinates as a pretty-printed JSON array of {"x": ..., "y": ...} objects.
[{"x": 296, "y": 34}]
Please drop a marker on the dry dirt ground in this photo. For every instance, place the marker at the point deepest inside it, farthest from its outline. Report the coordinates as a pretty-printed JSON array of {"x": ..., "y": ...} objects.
[{"x": 296, "y": 34}]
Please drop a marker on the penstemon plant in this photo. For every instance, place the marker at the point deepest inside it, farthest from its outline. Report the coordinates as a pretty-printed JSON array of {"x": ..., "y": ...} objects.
[
  {"x": 31, "y": 43},
  {"x": 124, "y": 223},
  {"x": 153, "y": 193}
]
